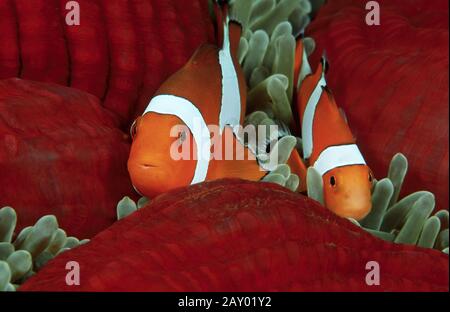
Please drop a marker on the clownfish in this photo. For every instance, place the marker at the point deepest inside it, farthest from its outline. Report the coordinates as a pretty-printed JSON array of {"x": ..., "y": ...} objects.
[
  {"x": 328, "y": 143},
  {"x": 209, "y": 90}
]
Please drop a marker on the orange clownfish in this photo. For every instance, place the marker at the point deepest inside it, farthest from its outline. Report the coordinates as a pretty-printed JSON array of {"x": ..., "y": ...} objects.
[
  {"x": 328, "y": 144},
  {"x": 209, "y": 90}
]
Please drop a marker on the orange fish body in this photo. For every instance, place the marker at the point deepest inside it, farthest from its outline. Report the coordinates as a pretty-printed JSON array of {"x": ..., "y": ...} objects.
[
  {"x": 329, "y": 146},
  {"x": 209, "y": 90}
]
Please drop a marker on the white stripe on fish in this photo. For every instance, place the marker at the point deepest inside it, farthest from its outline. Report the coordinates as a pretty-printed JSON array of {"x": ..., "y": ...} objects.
[
  {"x": 338, "y": 156},
  {"x": 308, "y": 117},
  {"x": 230, "y": 111},
  {"x": 193, "y": 119}
]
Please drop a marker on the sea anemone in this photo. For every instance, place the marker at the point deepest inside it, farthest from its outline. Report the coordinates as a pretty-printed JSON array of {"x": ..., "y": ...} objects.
[
  {"x": 24, "y": 254},
  {"x": 267, "y": 56},
  {"x": 409, "y": 220},
  {"x": 405, "y": 221},
  {"x": 235, "y": 235},
  {"x": 267, "y": 52}
]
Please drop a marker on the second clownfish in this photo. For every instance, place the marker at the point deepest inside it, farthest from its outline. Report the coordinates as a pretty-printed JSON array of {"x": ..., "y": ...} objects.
[{"x": 328, "y": 143}]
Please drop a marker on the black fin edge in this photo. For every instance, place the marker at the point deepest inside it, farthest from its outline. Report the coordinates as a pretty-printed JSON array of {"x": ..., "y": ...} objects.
[{"x": 325, "y": 63}]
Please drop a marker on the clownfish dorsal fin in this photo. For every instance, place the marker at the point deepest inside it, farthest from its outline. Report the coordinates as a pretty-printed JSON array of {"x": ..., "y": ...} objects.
[
  {"x": 305, "y": 68},
  {"x": 221, "y": 9},
  {"x": 229, "y": 28}
]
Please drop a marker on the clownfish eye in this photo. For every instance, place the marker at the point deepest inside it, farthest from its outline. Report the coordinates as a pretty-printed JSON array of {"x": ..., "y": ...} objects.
[{"x": 332, "y": 181}]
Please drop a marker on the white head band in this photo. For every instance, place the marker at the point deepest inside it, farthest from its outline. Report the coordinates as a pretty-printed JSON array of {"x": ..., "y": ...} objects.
[
  {"x": 191, "y": 116},
  {"x": 338, "y": 156}
]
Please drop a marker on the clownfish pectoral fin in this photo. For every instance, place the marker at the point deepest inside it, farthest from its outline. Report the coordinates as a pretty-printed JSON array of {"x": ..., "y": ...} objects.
[
  {"x": 299, "y": 168},
  {"x": 236, "y": 162}
]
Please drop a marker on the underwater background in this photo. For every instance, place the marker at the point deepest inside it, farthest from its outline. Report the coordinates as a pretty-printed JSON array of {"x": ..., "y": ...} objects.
[{"x": 68, "y": 96}]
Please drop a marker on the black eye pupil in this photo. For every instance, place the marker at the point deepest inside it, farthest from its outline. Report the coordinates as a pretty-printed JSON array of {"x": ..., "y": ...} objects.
[{"x": 333, "y": 181}]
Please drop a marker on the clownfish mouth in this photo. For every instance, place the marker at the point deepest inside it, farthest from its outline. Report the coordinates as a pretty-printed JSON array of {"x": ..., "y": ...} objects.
[{"x": 148, "y": 166}]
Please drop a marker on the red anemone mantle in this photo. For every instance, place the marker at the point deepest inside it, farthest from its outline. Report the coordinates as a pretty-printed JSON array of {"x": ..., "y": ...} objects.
[
  {"x": 61, "y": 150},
  {"x": 60, "y": 153},
  {"x": 233, "y": 235}
]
